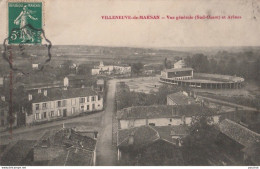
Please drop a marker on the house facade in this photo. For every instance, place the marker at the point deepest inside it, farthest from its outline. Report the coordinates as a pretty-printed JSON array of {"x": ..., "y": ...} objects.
[
  {"x": 163, "y": 115},
  {"x": 111, "y": 69},
  {"x": 59, "y": 103}
]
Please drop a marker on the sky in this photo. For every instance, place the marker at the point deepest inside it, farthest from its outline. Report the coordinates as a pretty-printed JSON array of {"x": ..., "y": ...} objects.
[{"x": 79, "y": 22}]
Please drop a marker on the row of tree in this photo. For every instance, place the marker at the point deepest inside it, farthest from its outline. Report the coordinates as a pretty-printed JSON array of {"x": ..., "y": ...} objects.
[{"x": 247, "y": 66}]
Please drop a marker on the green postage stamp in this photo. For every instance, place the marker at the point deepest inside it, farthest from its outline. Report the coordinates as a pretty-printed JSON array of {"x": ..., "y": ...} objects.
[{"x": 24, "y": 22}]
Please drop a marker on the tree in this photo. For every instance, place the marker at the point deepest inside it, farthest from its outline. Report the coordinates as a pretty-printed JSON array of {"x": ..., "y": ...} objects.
[
  {"x": 137, "y": 68},
  {"x": 202, "y": 135}
]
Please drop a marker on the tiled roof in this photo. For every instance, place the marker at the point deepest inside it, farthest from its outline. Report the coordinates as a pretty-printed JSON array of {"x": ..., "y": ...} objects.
[
  {"x": 67, "y": 137},
  {"x": 166, "y": 132},
  {"x": 59, "y": 94},
  {"x": 180, "y": 99},
  {"x": 163, "y": 111},
  {"x": 141, "y": 135},
  {"x": 145, "y": 135},
  {"x": 73, "y": 157},
  {"x": 239, "y": 133}
]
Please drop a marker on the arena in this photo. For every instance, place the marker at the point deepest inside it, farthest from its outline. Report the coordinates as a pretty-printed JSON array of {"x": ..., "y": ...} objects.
[{"x": 186, "y": 77}]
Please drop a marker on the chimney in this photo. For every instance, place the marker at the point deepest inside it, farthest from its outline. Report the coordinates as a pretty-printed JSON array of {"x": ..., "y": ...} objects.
[
  {"x": 45, "y": 92},
  {"x": 3, "y": 98},
  {"x": 29, "y": 97}
]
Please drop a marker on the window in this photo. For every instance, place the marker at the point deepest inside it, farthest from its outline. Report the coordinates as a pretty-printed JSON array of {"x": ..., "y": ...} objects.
[
  {"x": 44, "y": 106},
  {"x": 82, "y": 108},
  {"x": 73, "y": 102},
  {"x": 59, "y": 103},
  {"x": 151, "y": 124},
  {"x": 82, "y": 100},
  {"x": 37, "y": 116},
  {"x": 52, "y": 105},
  {"x": 93, "y": 98},
  {"x": 170, "y": 120},
  {"x": 87, "y": 107},
  {"x": 99, "y": 97},
  {"x": 93, "y": 106},
  {"x": 52, "y": 114},
  {"x": 44, "y": 115},
  {"x": 37, "y": 107},
  {"x": 59, "y": 112},
  {"x": 87, "y": 99},
  {"x": 64, "y": 103},
  {"x": 73, "y": 110}
]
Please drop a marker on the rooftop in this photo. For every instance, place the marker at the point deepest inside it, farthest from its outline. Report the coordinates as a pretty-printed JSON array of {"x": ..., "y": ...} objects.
[
  {"x": 68, "y": 137},
  {"x": 239, "y": 133},
  {"x": 78, "y": 150},
  {"x": 178, "y": 69},
  {"x": 145, "y": 135},
  {"x": 73, "y": 157},
  {"x": 181, "y": 99},
  {"x": 59, "y": 94},
  {"x": 163, "y": 111}
]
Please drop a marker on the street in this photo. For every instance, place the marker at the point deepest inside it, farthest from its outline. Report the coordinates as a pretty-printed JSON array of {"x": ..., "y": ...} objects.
[{"x": 106, "y": 153}]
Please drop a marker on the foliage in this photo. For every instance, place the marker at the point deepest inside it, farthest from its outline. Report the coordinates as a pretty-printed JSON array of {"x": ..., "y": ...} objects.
[
  {"x": 136, "y": 68},
  {"x": 126, "y": 98},
  {"x": 202, "y": 135},
  {"x": 244, "y": 64}
]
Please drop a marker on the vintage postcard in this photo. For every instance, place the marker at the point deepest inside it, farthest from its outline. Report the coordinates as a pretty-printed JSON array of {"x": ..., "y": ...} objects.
[{"x": 130, "y": 83}]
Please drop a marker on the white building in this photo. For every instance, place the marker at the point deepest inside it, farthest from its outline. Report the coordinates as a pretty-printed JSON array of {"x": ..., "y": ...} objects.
[
  {"x": 179, "y": 64},
  {"x": 35, "y": 66},
  {"x": 177, "y": 74},
  {"x": 57, "y": 103},
  {"x": 162, "y": 115},
  {"x": 110, "y": 69}
]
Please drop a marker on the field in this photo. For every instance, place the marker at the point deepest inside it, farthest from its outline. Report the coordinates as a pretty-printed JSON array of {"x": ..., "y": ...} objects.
[{"x": 143, "y": 84}]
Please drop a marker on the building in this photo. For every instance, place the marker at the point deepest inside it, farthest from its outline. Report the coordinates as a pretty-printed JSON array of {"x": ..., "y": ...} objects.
[
  {"x": 100, "y": 85},
  {"x": 35, "y": 66},
  {"x": 162, "y": 115},
  {"x": 56, "y": 103},
  {"x": 177, "y": 73},
  {"x": 65, "y": 147},
  {"x": 179, "y": 64},
  {"x": 180, "y": 98},
  {"x": 111, "y": 69},
  {"x": 146, "y": 143},
  {"x": 239, "y": 140}
]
